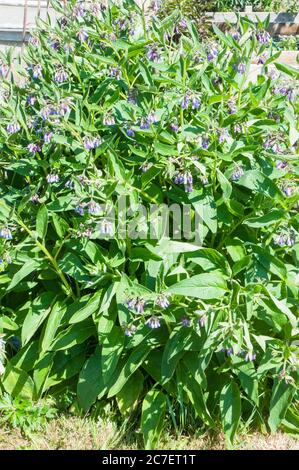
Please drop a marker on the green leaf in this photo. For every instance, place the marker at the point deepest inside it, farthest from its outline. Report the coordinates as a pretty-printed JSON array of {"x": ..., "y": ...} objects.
[
  {"x": 282, "y": 394},
  {"x": 145, "y": 74},
  {"x": 133, "y": 363},
  {"x": 230, "y": 410},
  {"x": 265, "y": 220},
  {"x": 128, "y": 396},
  {"x": 201, "y": 286},
  {"x": 17, "y": 383},
  {"x": 75, "y": 334},
  {"x": 225, "y": 185},
  {"x": 88, "y": 309},
  {"x": 28, "y": 267},
  {"x": 205, "y": 208},
  {"x": 90, "y": 383},
  {"x": 195, "y": 395},
  {"x": 164, "y": 149},
  {"x": 52, "y": 325},
  {"x": 38, "y": 311},
  {"x": 42, "y": 222},
  {"x": 247, "y": 376},
  {"x": 287, "y": 69},
  {"x": 112, "y": 347},
  {"x": 153, "y": 412},
  {"x": 256, "y": 181},
  {"x": 181, "y": 340}
]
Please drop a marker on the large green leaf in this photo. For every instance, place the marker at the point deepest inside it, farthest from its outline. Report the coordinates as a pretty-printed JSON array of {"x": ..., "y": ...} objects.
[
  {"x": 75, "y": 334},
  {"x": 282, "y": 394},
  {"x": 38, "y": 312},
  {"x": 18, "y": 383},
  {"x": 133, "y": 363},
  {"x": 91, "y": 382},
  {"x": 112, "y": 347},
  {"x": 153, "y": 412},
  {"x": 201, "y": 286},
  {"x": 230, "y": 410},
  {"x": 129, "y": 394}
]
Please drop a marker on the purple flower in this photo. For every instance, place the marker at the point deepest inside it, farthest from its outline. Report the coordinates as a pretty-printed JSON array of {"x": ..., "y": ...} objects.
[
  {"x": 263, "y": 37},
  {"x": 35, "y": 199},
  {"x": 79, "y": 209},
  {"x": 155, "y": 5},
  {"x": 241, "y": 68},
  {"x": 61, "y": 76},
  {"x": 13, "y": 128},
  {"x": 236, "y": 35},
  {"x": 152, "y": 53},
  {"x": 185, "y": 101},
  {"x": 91, "y": 142},
  {"x": 237, "y": 128},
  {"x": 31, "y": 100},
  {"x": 69, "y": 47},
  {"x": 186, "y": 321},
  {"x": 287, "y": 238},
  {"x": 139, "y": 305},
  {"x": 152, "y": 118},
  {"x": 204, "y": 180},
  {"x": 237, "y": 173},
  {"x": 280, "y": 165},
  {"x": 47, "y": 111},
  {"x": 212, "y": 54},
  {"x": 144, "y": 124},
  {"x": 33, "y": 148},
  {"x": 174, "y": 126},
  {"x": 250, "y": 356},
  {"x": 290, "y": 94},
  {"x": 79, "y": 10},
  {"x": 4, "y": 69},
  {"x": 153, "y": 323},
  {"x": 205, "y": 142},
  {"x": 229, "y": 352},
  {"x": 130, "y": 303},
  {"x": 132, "y": 96},
  {"x": 48, "y": 137},
  {"x": 94, "y": 208},
  {"x": 288, "y": 188},
  {"x": 130, "y": 132},
  {"x": 82, "y": 35},
  {"x": 222, "y": 135},
  {"x": 195, "y": 103},
  {"x": 162, "y": 301},
  {"x": 115, "y": 72},
  {"x": 34, "y": 41},
  {"x": 64, "y": 106},
  {"x": 52, "y": 178},
  {"x": 202, "y": 320},
  {"x": 179, "y": 178},
  {"x": 262, "y": 58},
  {"x": 108, "y": 120},
  {"x": 37, "y": 71},
  {"x": 232, "y": 106},
  {"x": 5, "y": 233},
  {"x": 106, "y": 227},
  {"x": 129, "y": 331}
]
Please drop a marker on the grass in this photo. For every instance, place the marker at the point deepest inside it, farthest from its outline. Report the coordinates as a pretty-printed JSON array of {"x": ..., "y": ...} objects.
[{"x": 74, "y": 433}]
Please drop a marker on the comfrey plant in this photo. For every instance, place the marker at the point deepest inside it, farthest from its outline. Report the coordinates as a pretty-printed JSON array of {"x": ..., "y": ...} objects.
[{"x": 191, "y": 313}]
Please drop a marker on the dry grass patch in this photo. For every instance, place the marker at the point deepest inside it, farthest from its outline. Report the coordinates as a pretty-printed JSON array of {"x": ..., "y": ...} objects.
[{"x": 73, "y": 433}]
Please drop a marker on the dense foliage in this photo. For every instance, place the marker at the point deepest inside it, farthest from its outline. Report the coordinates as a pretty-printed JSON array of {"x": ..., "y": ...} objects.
[{"x": 104, "y": 107}]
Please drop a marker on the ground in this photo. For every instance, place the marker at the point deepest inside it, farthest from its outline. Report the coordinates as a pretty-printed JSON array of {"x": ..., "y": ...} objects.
[{"x": 72, "y": 433}]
